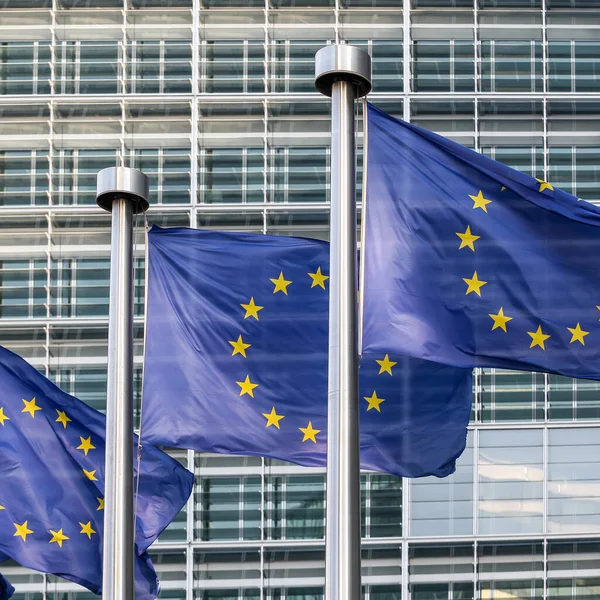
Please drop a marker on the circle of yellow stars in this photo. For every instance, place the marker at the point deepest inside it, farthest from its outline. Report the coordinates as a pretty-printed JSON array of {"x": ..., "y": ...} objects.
[
  {"x": 240, "y": 346},
  {"x": 58, "y": 536},
  {"x": 475, "y": 284},
  {"x": 247, "y": 386}
]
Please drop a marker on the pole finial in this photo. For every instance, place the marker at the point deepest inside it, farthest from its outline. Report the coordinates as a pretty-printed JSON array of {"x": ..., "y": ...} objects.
[
  {"x": 122, "y": 182},
  {"x": 341, "y": 62}
]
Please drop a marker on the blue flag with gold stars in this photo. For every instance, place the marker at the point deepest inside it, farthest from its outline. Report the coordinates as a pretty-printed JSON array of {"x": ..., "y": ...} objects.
[
  {"x": 236, "y": 360},
  {"x": 473, "y": 264},
  {"x": 52, "y": 482}
]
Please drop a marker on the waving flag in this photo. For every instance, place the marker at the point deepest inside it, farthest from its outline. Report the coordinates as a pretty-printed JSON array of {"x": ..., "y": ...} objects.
[
  {"x": 52, "y": 474},
  {"x": 236, "y": 360},
  {"x": 473, "y": 264}
]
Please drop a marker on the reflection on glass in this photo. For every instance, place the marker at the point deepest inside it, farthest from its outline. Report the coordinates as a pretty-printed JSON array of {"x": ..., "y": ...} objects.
[{"x": 511, "y": 478}]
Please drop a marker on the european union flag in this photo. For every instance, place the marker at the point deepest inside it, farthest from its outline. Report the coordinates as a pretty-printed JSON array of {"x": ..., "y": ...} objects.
[
  {"x": 236, "y": 360},
  {"x": 52, "y": 473},
  {"x": 473, "y": 264}
]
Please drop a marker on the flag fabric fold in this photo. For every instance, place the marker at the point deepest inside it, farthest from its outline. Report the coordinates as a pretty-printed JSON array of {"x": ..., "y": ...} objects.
[
  {"x": 473, "y": 264},
  {"x": 236, "y": 360},
  {"x": 6, "y": 589},
  {"x": 52, "y": 458}
]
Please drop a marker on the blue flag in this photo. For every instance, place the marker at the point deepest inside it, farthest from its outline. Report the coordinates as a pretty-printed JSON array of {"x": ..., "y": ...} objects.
[
  {"x": 52, "y": 474},
  {"x": 236, "y": 360},
  {"x": 473, "y": 264}
]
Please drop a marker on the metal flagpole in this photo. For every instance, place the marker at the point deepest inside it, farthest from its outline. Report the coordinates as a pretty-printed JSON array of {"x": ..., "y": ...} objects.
[
  {"x": 344, "y": 73},
  {"x": 123, "y": 192}
]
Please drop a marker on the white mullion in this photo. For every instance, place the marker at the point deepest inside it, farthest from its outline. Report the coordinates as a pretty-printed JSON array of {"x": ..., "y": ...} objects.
[
  {"x": 244, "y": 175},
  {"x": 77, "y": 67},
  {"x": 195, "y": 112},
  {"x": 75, "y": 176},
  {"x": 36, "y": 67},
  {"x": 189, "y": 533},
  {"x": 451, "y": 59},
  {"x": 161, "y": 66},
  {"x": 406, "y": 60}
]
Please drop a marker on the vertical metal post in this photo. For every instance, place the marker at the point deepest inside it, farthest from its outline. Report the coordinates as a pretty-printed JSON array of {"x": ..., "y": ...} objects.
[
  {"x": 344, "y": 73},
  {"x": 123, "y": 192}
]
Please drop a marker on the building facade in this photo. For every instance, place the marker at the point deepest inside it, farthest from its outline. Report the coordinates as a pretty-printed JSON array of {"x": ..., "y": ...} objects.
[{"x": 214, "y": 100}]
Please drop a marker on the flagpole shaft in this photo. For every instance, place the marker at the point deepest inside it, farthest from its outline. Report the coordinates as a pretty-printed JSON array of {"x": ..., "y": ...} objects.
[
  {"x": 118, "y": 495},
  {"x": 117, "y": 191},
  {"x": 337, "y": 69}
]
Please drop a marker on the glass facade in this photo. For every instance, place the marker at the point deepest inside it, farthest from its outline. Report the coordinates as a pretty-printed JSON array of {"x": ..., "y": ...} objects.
[{"x": 214, "y": 100}]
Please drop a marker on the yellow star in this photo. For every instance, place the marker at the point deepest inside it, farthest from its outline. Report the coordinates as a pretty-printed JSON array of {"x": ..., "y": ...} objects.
[
  {"x": 247, "y": 387},
  {"x": 62, "y": 418},
  {"x": 91, "y": 475},
  {"x": 467, "y": 239},
  {"x": 86, "y": 445},
  {"x": 281, "y": 284},
  {"x": 502, "y": 188},
  {"x": 3, "y": 417},
  {"x": 474, "y": 284},
  {"x": 251, "y": 309},
  {"x": 544, "y": 185},
  {"x": 2, "y": 507},
  {"x": 318, "y": 278},
  {"x": 374, "y": 402},
  {"x": 500, "y": 320},
  {"x": 273, "y": 418},
  {"x": 58, "y": 537},
  {"x": 31, "y": 407},
  {"x": 385, "y": 365},
  {"x": 479, "y": 201},
  {"x": 86, "y": 528},
  {"x": 22, "y": 531},
  {"x": 578, "y": 334},
  {"x": 100, "y": 504},
  {"x": 239, "y": 347},
  {"x": 538, "y": 338},
  {"x": 309, "y": 432}
]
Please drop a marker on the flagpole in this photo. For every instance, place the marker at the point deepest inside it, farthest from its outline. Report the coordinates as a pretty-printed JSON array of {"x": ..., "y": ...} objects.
[
  {"x": 122, "y": 192},
  {"x": 344, "y": 73}
]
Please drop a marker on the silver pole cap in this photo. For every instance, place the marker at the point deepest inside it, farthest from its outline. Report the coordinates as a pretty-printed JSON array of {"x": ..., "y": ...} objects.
[
  {"x": 342, "y": 63},
  {"x": 122, "y": 182}
]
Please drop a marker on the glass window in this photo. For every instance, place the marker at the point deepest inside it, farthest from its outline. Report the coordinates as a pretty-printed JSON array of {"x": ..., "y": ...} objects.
[
  {"x": 24, "y": 68},
  {"x": 88, "y": 67},
  {"x": 573, "y": 480},
  {"x": 511, "y": 396},
  {"x": 295, "y": 507},
  {"x": 382, "y": 505},
  {"x": 229, "y": 67},
  {"x": 427, "y": 562},
  {"x": 560, "y": 66},
  {"x": 442, "y": 507},
  {"x": 511, "y": 66},
  {"x": 515, "y": 568},
  {"x": 510, "y": 482},
  {"x": 443, "y": 66},
  {"x": 517, "y": 590},
  {"x": 299, "y": 174},
  {"x": 293, "y": 65},
  {"x": 231, "y": 175},
  {"x": 157, "y": 67},
  {"x": 168, "y": 171},
  {"x": 22, "y": 288},
  {"x": 24, "y": 177},
  {"x": 227, "y": 508}
]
